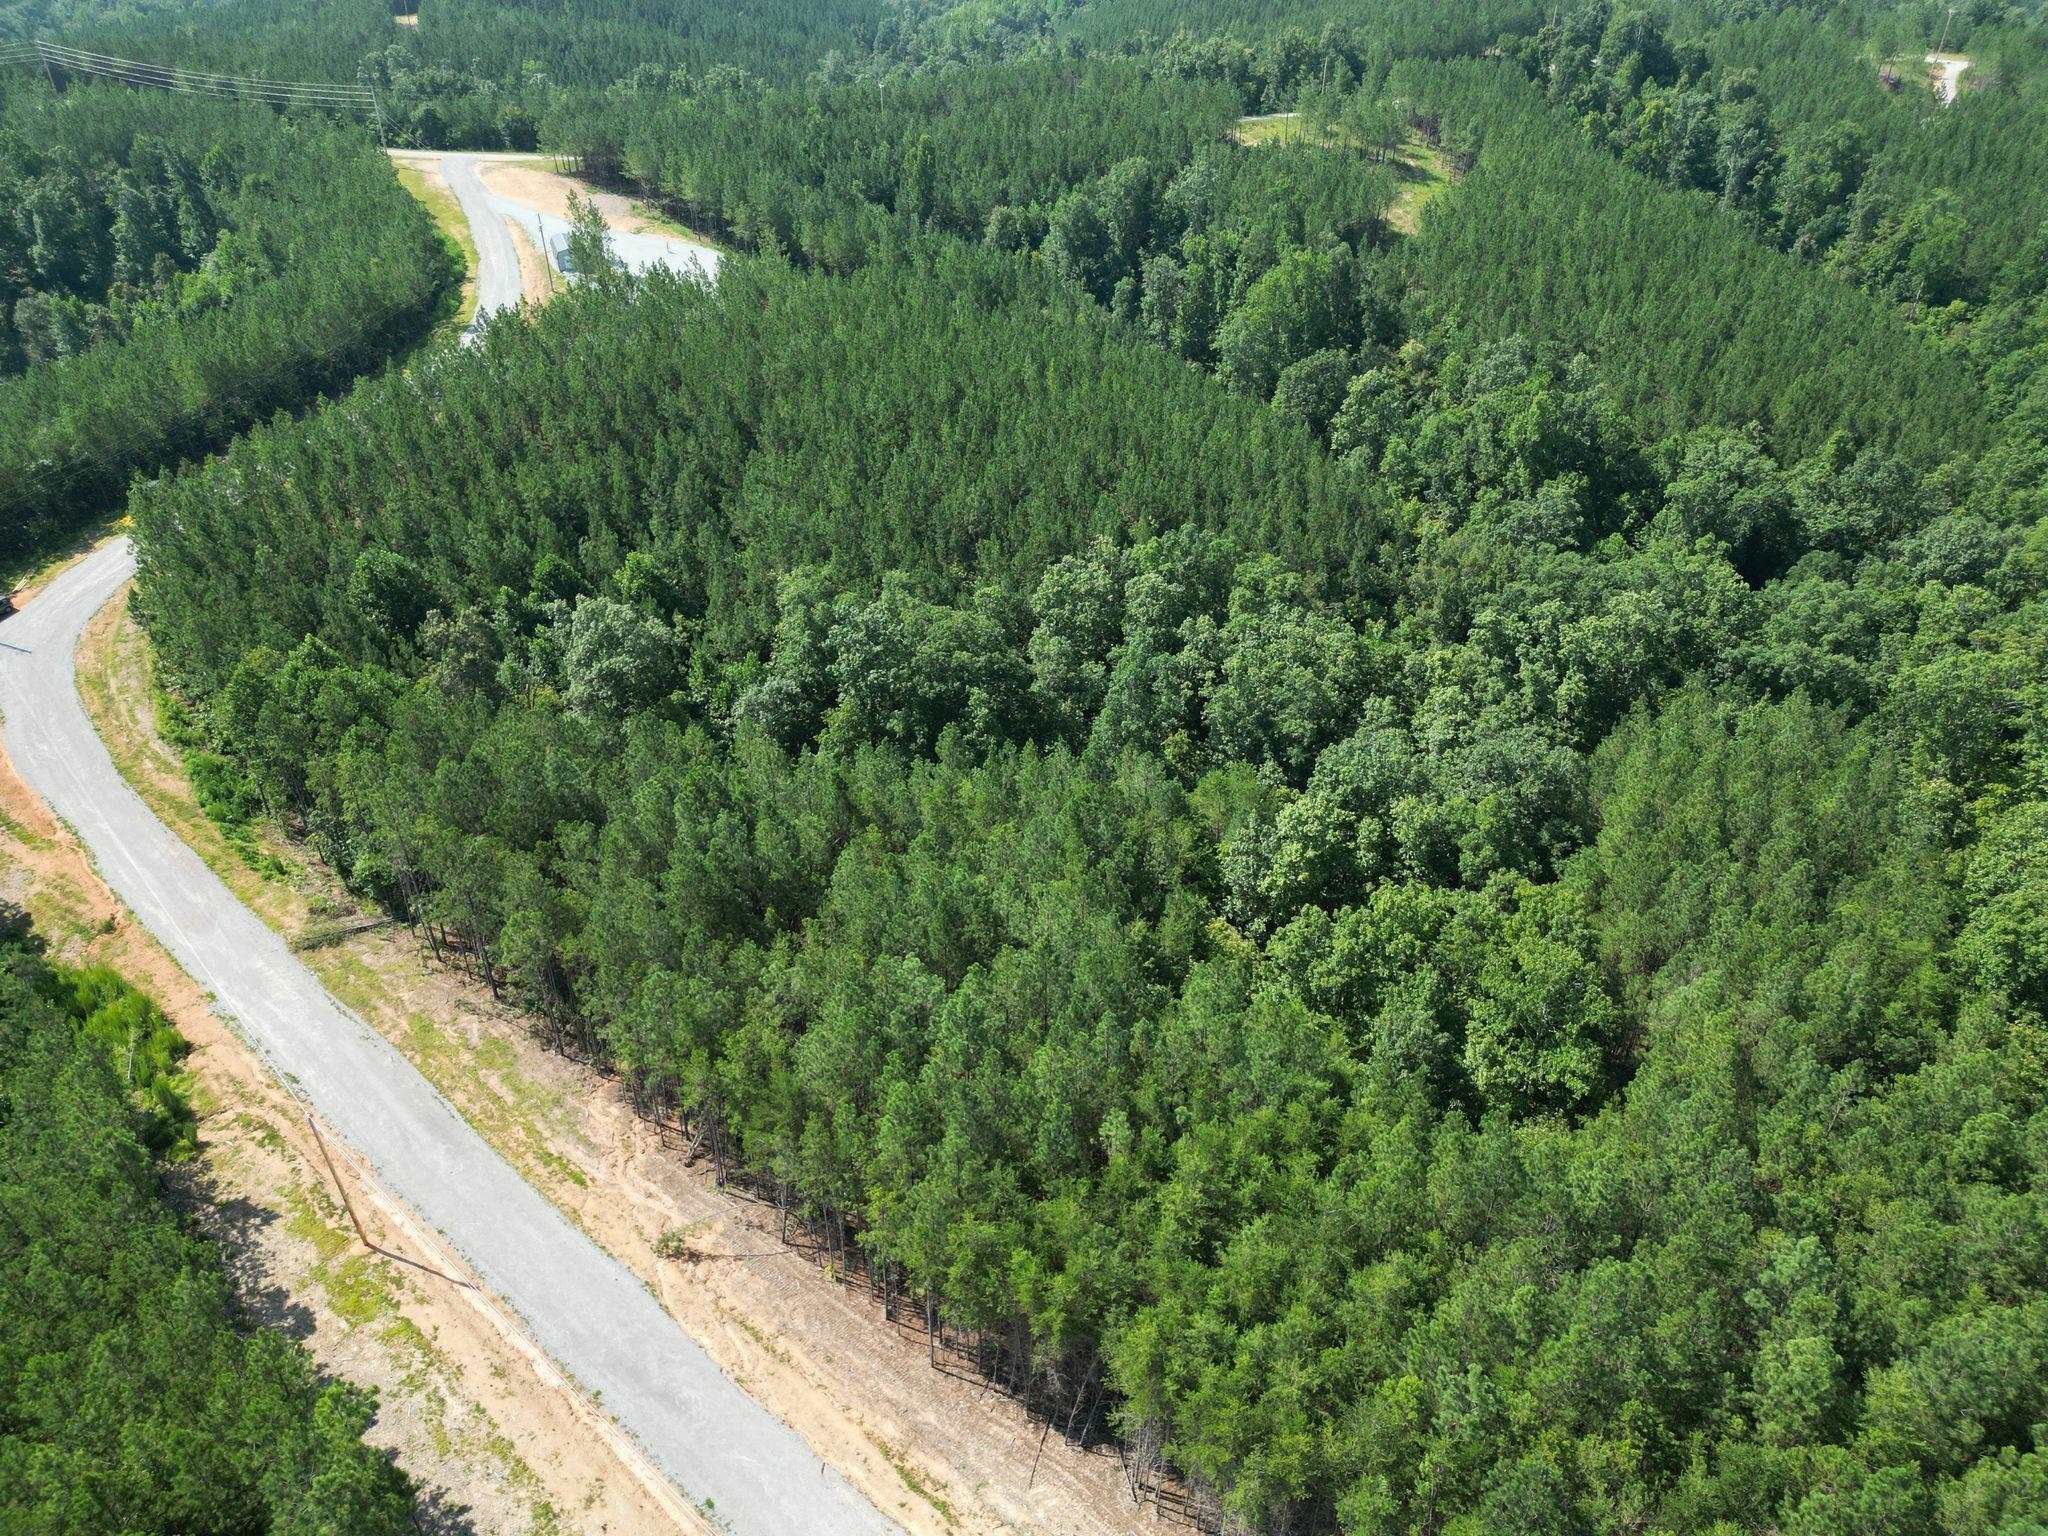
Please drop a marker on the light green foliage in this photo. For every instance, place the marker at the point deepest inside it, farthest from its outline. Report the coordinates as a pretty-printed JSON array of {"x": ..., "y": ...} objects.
[
  {"x": 1458, "y": 924},
  {"x": 129, "y": 1398}
]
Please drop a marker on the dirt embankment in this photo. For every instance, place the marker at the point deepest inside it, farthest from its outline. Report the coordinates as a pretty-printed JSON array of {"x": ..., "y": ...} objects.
[
  {"x": 939, "y": 1453},
  {"x": 532, "y": 183},
  {"x": 498, "y": 1442}
]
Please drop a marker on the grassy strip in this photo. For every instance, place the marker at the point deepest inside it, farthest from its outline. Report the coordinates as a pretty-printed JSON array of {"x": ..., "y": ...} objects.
[
  {"x": 1422, "y": 172},
  {"x": 276, "y": 881},
  {"x": 1272, "y": 128},
  {"x": 447, "y": 216},
  {"x": 1419, "y": 167},
  {"x": 31, "y": 569}
]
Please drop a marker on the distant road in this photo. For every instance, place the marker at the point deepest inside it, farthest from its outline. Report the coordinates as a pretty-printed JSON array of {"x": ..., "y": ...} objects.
[
  {"x": 490, "y": 214},
  {"x": 600, "y": 1324},
  {"x": 1948, "y": 74}
]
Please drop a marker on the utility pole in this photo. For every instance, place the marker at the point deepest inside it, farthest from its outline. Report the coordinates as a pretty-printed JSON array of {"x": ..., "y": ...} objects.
[{"x": 1942, "y": 46}]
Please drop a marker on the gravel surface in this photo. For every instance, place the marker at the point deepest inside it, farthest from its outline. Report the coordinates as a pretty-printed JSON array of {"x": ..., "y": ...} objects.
[
  {"x": 1948, "y": 75},
  {"x": 636, "y": 252},
  {"x": 723, "y": 1450},
  {"x": 497, "y": 262}
]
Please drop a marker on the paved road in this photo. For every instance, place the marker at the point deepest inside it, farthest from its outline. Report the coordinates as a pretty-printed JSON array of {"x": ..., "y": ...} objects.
[
  {"x": 498, "y": 281},
  {"x": 582, "y": 1306},
  {"x": 635, "y": 252}
]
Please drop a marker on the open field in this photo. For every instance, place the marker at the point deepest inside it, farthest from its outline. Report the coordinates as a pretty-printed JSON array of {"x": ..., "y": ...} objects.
[{"x": 1419, "y": 167}]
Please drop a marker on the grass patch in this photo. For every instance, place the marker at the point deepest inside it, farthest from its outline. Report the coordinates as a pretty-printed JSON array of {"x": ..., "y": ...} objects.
[
  {"x": 312, "y": 1227},
  {"x": 32, "y": 568},
  {"x": 125, "y": 658},
  {"x": 1419, "y": 167},
  {"x": 662, "y": 223},
  {"x": 447, "y": 216},
  {"x": 1270, "y": 128},
  {"x": 1421, "y": 172},
  {"x": 356, "y": 1284},
  {"x": 511, "y": 1111},
  {"x": 913, "y": 1481}
]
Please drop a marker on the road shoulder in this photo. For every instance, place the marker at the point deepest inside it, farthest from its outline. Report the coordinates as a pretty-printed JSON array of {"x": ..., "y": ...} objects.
[
  {"x": 938, "y": 1453},
  {"x": 494, "y": 1444}
]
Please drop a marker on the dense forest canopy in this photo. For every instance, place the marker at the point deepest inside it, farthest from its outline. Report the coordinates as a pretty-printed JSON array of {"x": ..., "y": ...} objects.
[
  {"x": 130, "y": 1400},
  {"x": 173, "y": 270},
  {"x": 1370, "y": 785},
  {"x": 1306, "y": 934},
  {"x": 476, "y": 72}
]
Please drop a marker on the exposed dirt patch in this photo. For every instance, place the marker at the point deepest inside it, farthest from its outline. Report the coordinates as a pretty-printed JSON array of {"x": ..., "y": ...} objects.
[
  {"x": 538, "y": 279},
  {"x": 497, "y": 1441},
  {"x": 1945, "y": 73},
  {"x": 939, "y": 1453},
  {"x": 532, "y": 182}
]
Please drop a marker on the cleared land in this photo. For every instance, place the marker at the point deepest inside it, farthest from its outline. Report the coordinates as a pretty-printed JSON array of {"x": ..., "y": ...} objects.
[{"x": 1419, "y": 167}]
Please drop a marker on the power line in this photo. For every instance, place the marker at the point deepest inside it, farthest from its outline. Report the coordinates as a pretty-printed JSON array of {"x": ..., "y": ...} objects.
[
  {"x": 137, "y": 72},
  {"x": 171, "y": 76}
]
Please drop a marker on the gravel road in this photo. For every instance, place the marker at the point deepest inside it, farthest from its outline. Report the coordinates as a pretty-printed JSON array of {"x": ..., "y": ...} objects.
[
  {"x": 1948, "y": 75},
  {"x": 497, "y": 262},
  {"x": 498, "y": 282},
  {"x": 638, "y": 253},
  {"x": 582, "y": 1307}
]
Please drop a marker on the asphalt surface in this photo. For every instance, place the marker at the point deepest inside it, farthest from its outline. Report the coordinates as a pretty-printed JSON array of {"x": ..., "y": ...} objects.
[{"x": 584, "y": 1308}]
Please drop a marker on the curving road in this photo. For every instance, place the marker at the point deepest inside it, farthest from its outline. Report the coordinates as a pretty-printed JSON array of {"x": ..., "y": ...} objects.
[
  {"x": 581, "y": 1305},
  {"x": 490, "y": 216},
  {"x": 497, "y": 262},
  {"x": 586, "y": 1310}
]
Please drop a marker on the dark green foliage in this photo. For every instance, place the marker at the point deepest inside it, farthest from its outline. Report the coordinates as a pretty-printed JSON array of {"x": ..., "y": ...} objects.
[
  {"x": 105, "y": 210},
  {"x": 128, "y": 1399},
  {"x": 477, "y": 73},
  {"x": 1356, "y": 950},
  {"x": 813, "y": 170},
  {"x": 712, "y": 441},
  {"x": 1690, "y": 319},
  {"x": 1817, "y": 75},
  {"x": 1467, "y": 939},
  {"x": 216, "y": 265}
]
